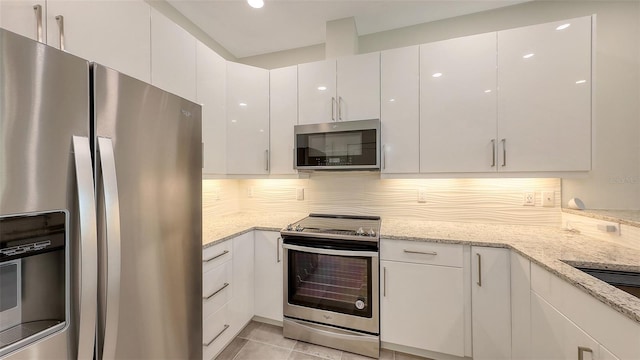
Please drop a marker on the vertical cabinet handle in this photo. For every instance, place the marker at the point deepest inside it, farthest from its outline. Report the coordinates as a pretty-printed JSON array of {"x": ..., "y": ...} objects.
[
  {"x": 60, "y": 21},
  {"x": 384, "y": 283},
  {"x": 266, "y": 160},
  {"x": 504, "y": 152},
  {"x": 38, "y": 11},
  {"x": 582, "y": 350},
  {"x": 493, "y": 152},
  {"x": 384, "y": 157},
  {"x": 340, "y": 108},
  {"x": 333, "y": 108},
  {"x": 278, "y": 249},
  {"x": 479, "y": 270},
  {"x": 294, "y": 158}
]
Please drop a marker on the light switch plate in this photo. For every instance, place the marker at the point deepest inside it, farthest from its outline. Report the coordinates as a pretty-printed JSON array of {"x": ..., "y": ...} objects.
[
  {"x": 422, "y": 195},
  {"x": 548, "y": 199},
  {"x": 300, "y": 194}
]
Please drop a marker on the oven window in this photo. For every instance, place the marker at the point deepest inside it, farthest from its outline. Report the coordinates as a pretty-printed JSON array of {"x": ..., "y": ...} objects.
[{"x": 335, "y": 283}]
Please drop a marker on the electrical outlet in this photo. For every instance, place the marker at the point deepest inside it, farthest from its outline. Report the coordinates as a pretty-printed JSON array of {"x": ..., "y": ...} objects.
[
  {"x": 250, "y": 191},
  {"x": 300, "y": 194},
  {"x": 422, "y": 195},
  {"x": 548, "y": 199},
  {"x": 529, "y": 198}
]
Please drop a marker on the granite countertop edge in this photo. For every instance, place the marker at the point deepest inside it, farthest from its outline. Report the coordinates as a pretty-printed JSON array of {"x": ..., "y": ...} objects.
[{"x": 618, "y": 300}]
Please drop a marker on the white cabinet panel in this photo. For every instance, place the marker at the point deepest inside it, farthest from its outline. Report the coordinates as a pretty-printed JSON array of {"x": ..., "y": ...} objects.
[
  {"x": 216, "y": 255},
  {"x": 399, "y": 108},
  {"x": 217, "y": 288},
  {"x": 490, "y": 302},
  {"x": 217, "y": 331},
  {"x": 458, "y": 104},
  {"x": 247, "y": 119},
  {"x": 268, "y": 275},
  {"x": 283, "y": 99},
  {"x": 242, "y": 306},
  {"x": 422, "y": 252},
  {"x": 422, "y": 306},
  {"x": 358, "y": 87},
  {"x": 173, "y": 57},
  {"x": 544, "y": 102},
  {"x": 211, "y": 94},
  {"x": 316, "y": 92},
  {"x": 520, "y": 307},
  {"x": 113, "y": 33},
  {"x": 20, "y": 17}
]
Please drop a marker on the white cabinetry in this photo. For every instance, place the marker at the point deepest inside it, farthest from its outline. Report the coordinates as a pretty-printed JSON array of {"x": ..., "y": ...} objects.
[
  {"x": 490, "y": 301},
  {"x": 399, "y": 110},
  {"x": 113, "y": 33},
  {"x": 422, "y": 296},
  {"x": 242, "y": 306},
  {"x": 268, "y": 275},
  {"x": 544, "y": 101},
  {"x": 283, "y": 100},
  {"x": 520, "y": 307},
  {"x": 21, "y": 18},
  {"x": 247, "y": 119},
  {"x": 173, "y": 57},
  {"x": 211, "y": 94},
  {"x": 339, "y": 90},
  {"x": 458, "y": 104}
]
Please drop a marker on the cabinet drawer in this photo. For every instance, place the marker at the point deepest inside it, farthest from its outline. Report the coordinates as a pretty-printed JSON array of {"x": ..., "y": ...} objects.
[
  {"x": 216, "y": 288},
  {"x": 216, "y": 255},
  {"x": 216, "y": 333},
  {"x": 422, "y": 252}
]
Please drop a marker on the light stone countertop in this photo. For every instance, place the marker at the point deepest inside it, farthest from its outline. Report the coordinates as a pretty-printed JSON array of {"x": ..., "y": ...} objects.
[
  {"x": 626, "y": 217},
  {"x": 545, "y": 246}
]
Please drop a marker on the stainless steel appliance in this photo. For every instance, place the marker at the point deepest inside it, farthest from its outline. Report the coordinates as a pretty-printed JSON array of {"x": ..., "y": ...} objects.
[
  {"x": 344, "y": 145},
  {"x": 331, "y": 282},
  {"x": 100, "y": 204}
]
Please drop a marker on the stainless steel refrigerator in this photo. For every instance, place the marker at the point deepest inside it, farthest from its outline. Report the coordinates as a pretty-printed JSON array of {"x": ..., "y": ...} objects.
[{"x": 100, "y": 212}]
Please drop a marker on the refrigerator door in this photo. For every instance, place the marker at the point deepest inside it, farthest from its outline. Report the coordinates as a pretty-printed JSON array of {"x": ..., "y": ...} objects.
[
  {"x": 156, "y": 141},
  {"x": 44, "y": 109}
]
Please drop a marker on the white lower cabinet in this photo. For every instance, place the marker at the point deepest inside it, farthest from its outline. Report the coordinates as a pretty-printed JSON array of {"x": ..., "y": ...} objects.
[
  {"x": 421, "y": 304},
  {"x": 268, "y": 275},
  {"x": 241, "y": 306},
  {"x": 491, "y": 303}
]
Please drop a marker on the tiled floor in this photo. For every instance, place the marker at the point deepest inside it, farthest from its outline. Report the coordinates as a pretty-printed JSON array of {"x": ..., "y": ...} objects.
[{"x": 259, "y": 341}]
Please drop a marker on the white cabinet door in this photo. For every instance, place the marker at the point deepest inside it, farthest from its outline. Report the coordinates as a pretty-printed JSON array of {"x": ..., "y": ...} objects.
[
  {"x": 241, "y": 305},
  {"x": 458, "y": 104},
  {"x": 268, "y": 275},
  {"x": 422, "y": 306},
  {"x": 490, "y": 303},
  {"x": 113, "y": 33},
  {"x": 400, "y": 118},
  {"x": 358, "y": 87},
  {"x": 247, "y": 119},
  {"x": 544, "y": 102},
  {"x": 520, "y": 307},
  {"x": 173, "y": 57},
  {"x": 20, "y": 17},
  {"x": 283, "y": 99},
  {"x": 211, "y": 94},
  {"x": 554, "y": 337},
  {"x": 317, "y": 92}
]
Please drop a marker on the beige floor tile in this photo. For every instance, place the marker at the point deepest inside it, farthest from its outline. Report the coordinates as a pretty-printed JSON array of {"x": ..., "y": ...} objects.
[
  {"x": 258, "y": 351},
  {"x": 302, "y": 356},
  {"x": 317, "y": 350},
  {"x": 272, "y": 335},
  {"x": 232, "y": 349},
  {"x": 386, "y": 354}
]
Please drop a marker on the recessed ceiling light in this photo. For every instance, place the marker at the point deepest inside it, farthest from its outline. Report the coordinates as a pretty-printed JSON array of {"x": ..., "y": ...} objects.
[
  {"x": 563, "y": 26},
  {"x": 437, "y": 75},
  {"x": 528, "y": 56},
  {"x": 256, "y": 4}
]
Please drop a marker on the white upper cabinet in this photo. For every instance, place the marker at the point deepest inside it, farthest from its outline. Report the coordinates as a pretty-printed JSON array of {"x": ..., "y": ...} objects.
[
  {"x": 23, "y": 18},
  {"x": 544, "y": 98},
  {"x": 173, "y": 57},
  {"x": 112, "y": 33},
  {"x": 458, "y": 104},
  {"x": 399, "y": 108},
  {"x": 339, "y": 90},
  {"x": 283, "y": 99},
  {"x": 211, "y": 92},
  {"x": 247, "y": 119}
]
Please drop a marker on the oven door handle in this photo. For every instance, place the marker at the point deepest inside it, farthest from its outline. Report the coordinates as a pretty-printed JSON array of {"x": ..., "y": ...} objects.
[{"x": 321, "y": 251}]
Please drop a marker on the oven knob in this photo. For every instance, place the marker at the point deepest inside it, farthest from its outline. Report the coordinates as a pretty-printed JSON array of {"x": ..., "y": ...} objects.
[
  {"x": 372, "y": 233},
  {"x": 360, "y": 232},
  {"x": 359, "y": 304},
  {"x": 298, "y": 227},
  {"x": 289, "y": 227}
]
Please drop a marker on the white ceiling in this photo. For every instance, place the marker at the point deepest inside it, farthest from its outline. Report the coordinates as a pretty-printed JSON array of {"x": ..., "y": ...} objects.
[{"x": 289, "y": 24}]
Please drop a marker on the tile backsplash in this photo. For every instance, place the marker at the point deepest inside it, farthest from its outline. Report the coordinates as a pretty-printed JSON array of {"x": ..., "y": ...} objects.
[{"x": 463, "y": 200}]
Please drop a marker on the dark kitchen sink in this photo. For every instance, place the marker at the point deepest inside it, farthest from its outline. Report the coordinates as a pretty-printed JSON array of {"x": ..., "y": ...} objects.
[{"x": 627, "y": 281}]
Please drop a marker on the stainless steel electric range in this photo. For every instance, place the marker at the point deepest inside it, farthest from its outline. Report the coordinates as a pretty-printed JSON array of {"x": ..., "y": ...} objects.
[{"x": 331, "y": 282}]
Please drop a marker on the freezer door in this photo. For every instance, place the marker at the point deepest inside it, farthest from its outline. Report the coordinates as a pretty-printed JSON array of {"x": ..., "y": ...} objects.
[
  {"x": 156, "y": 142},
  {"x": 44, "y": 104}
]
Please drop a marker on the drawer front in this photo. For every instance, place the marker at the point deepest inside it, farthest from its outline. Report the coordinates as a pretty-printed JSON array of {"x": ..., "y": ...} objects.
[
  {"x": 217, "y": 288},
  {"x": 422, "y": 252},
  {"x": 216, "y": 255},
  {"x": 216, "y": 333}
]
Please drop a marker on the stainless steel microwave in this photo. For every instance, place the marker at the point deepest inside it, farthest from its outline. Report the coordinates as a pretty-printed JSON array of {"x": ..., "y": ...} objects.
[{"x": 344, "y": 145}]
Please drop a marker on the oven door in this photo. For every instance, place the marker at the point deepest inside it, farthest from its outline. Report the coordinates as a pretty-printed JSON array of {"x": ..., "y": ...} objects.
[{"x": 334, "y": 287}]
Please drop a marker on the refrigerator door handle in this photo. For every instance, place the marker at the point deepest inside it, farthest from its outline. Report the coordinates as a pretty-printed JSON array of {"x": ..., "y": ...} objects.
[
  {"x": 112, "y": 226},
  {"x": 87, "y": 303}
]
